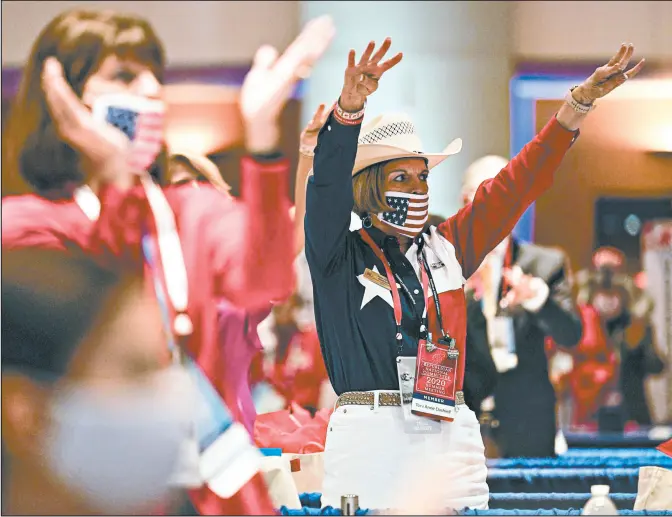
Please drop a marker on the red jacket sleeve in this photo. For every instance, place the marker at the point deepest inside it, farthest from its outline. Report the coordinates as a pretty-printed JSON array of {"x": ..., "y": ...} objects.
[
  {"x": 246, "y": 247},
  {"x": 500, "y": 202},
  {"x": 253, "y": 258},
  {"x": 29, "y": 222}
]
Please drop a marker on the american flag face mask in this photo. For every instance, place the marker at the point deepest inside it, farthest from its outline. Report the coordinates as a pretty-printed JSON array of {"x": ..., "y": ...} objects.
[
  {"x": 140, "y": 119},
  {"x": 410, "y": 212}
]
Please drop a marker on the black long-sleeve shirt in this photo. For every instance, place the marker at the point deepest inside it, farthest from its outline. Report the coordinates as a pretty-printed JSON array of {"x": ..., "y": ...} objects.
[{"x": 355, "y": 320}]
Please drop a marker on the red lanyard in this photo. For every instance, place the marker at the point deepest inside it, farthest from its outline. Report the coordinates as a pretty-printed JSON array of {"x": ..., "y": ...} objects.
[
  {"x": 390, "y": 278},
  {"x": 426, "y": 281}
]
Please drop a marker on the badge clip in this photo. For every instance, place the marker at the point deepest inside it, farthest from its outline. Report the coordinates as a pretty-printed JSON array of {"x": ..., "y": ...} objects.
[{"x": 447, "y": 341}]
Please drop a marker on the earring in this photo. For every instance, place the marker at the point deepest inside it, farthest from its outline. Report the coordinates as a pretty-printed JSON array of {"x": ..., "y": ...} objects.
[{"x": 366, "y": 221}]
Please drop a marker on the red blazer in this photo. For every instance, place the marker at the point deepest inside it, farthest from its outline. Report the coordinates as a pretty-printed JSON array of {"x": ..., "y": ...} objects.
[{"x": 241, "y": 251}]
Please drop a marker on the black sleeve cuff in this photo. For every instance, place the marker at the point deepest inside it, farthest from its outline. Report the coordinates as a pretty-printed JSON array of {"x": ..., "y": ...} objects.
[{"x": 268, "y": 157}]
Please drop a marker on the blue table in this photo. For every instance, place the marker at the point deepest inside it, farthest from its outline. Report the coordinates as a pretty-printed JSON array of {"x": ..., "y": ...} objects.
[
  {"x": 605, "y": 460},
  {"x": 613, "y": 453},
  {"x": 562, "y": 480},
  {"x": 555, "y": 500},
  {"x": 498, "y": 503},
  {"x": 501, "y": 511},
  {"x": 495, "y": 511},
  {"x": 616, "y": 440}
]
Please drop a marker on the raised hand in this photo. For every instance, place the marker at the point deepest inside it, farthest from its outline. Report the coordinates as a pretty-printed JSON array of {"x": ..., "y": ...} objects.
[
  {"x": 103, "y": 146},
  {"x": 361, "y": 79},
  {"x": 270, "y": 82},
  {"x": 523, "y": 287},
  {"x": 107, "y": 154},
  {"x": 608, "y": 77},
  {"x": 308, "y": 139}
]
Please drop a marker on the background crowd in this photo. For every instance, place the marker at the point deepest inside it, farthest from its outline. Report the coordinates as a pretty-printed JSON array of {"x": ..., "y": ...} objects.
[{"x": 560, "y": 338}]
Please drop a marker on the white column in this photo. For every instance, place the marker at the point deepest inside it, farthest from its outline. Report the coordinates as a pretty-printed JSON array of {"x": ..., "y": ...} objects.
[{"x": 453, "y": 79}]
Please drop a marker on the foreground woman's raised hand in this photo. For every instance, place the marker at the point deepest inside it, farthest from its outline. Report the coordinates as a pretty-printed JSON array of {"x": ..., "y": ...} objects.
[
  {"x": 105, "y": 151},
  {"x": 361, "y": 78},
  {"x": 272, "y": 79}
]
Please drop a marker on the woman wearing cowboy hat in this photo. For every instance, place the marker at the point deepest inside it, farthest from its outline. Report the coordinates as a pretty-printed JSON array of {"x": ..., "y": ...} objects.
[{"x": 392, "y": 292}]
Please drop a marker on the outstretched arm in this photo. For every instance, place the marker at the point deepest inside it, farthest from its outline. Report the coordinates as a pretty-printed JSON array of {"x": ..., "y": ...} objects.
[
  {"x": 329, "y": 197},
  {"x": 500, "y": 202},
  {"x": 261, "y": 268},
  {"x": 306, "y": 154}
]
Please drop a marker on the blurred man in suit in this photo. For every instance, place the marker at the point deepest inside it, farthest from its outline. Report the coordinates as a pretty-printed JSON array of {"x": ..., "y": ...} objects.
[{"x": 520, "y": 295}]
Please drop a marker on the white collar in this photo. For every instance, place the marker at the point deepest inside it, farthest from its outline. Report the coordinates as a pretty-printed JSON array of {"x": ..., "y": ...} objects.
[{"x": 87, "y": 200}]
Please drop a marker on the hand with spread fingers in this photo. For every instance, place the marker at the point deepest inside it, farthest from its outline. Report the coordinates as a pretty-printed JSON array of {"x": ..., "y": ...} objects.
[
  {"x": 608, "y": 77},
  {"x": 271, "y": 81},
  {"x": 361, "y": 78},
  {"x": 523, "y": 287},
  {"x": 104, "y": 149}
]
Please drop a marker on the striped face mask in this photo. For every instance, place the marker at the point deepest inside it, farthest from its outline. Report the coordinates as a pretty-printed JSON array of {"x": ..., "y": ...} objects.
[
  {"x": 410, "y": 212},
  {"x": 140, "y": 119}
]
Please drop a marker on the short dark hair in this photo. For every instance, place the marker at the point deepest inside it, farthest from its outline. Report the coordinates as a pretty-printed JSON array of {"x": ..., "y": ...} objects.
[
  {"x": 49, "y": 303},
  {"x": 81, "y": 39}
]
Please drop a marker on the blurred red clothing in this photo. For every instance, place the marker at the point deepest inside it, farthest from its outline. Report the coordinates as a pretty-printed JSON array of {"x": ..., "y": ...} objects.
[
  {"x": 594, "y": 374},
  {"x": 233, "y": 250},
  {"x": 666, "y": 448},
  {"x": 298, "y": 372}
]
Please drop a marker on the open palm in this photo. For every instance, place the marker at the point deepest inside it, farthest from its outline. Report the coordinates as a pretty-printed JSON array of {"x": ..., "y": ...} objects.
[
  {"x": 74, "y": 122},
  {"x": 361, "y": 78},
  {"x": 107, "y": 153},
  {"x": 272, "y": 79},
  {"x": 607, "y": 78}
]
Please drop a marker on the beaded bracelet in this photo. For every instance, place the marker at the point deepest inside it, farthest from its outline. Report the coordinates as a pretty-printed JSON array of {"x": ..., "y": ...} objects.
[{"x": 346, "y": 118}]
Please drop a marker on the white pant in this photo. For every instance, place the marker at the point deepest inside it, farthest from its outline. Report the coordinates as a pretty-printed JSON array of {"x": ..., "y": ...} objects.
[
  {"x": 368, "y": 453},
  {"x": 654, "y": 491}
]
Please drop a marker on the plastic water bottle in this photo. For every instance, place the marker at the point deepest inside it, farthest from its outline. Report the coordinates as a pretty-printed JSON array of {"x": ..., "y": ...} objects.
[{"x": 600, "y": 503}]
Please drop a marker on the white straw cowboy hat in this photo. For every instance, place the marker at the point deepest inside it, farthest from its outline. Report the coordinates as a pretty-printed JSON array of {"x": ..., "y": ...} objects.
[{"x": 392, "y": 136}]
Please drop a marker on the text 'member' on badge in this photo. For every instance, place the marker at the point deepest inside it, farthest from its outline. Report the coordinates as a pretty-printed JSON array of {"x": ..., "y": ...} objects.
[
  {"x": 434, "y": 394},
  {"x": 413, "y": 424}
]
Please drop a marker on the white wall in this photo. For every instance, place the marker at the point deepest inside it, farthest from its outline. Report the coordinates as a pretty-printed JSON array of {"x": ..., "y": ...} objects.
[
  {"x": 215, "y": 32},
  {"x": 545, "y": 30},
  {"x": 453, "y": 80},
  {"x": 194, "y": 32}
]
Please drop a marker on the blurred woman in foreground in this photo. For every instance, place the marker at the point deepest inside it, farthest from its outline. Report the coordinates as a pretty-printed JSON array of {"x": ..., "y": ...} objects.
[
  {"x": 92, "y": 422},
  {"x": 84, "y": 174},
  {"x": 238, "y": 336}
]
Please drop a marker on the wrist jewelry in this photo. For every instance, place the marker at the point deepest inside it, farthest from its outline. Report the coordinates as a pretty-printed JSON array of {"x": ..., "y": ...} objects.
[
  {"x": 576, "y": 105},
  {"x": 347, "y": 118}
]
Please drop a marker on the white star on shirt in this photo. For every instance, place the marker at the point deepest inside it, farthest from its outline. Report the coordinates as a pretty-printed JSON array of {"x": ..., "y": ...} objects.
[{"x": 371, "y": 290}]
